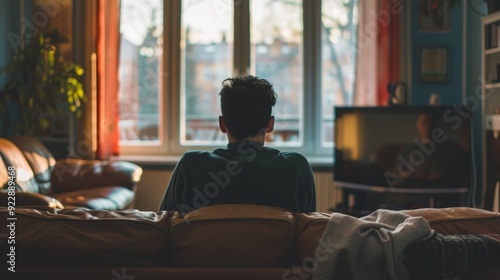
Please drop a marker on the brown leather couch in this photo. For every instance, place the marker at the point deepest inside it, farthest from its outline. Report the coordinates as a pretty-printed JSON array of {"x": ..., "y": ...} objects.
[
  {"x": 41, "y": 180},
  {"x": 216, "y": 242}
]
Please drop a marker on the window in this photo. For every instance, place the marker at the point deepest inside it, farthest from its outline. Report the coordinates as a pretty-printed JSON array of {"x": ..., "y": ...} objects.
[
  {"x": 206, "y": 60},
  {"x": 339, "y": 20},
  {"x": 276, "y": 29},
  {"x": 169, "y": 99},
  {"x": 141, "y": 28}
]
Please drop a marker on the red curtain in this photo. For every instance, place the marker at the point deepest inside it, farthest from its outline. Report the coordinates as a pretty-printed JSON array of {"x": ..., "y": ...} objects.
[
  {"x": 378, "y": 51},
  {"x": 394, "y": 45},
  {"x": 108, "y": 46}
]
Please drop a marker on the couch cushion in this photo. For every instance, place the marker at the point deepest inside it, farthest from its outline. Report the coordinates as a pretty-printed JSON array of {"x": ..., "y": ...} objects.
[
  {"x": 100, "y": 198},
  {"x": 75, "y": 237},
  {"x": 146, "y": 273},
  {"x": 232, "y": 236},
  {"x": 39, "y": 158},
  {"x": 459, "y": 220},
  {"x": 12, "y": 156},
  {"x": 310, "y": 228}
]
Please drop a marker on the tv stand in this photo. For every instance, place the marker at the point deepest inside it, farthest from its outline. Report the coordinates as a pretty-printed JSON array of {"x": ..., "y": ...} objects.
[{"x": 360, "y": 200}]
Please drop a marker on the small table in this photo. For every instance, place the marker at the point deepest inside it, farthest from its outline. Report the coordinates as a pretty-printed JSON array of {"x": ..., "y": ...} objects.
[{"x": 351, "y": 188}]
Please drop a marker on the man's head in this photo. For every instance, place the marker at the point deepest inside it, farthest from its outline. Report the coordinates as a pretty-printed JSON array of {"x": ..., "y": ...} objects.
[
  {"x": 426, "y": 122},
  {"x": 246, "y": 103}
]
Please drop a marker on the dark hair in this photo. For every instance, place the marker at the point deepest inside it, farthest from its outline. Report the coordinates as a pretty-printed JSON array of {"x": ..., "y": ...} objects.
[
  {"x": 246, "y": 103},
  {"x": 433, "y": 117}
]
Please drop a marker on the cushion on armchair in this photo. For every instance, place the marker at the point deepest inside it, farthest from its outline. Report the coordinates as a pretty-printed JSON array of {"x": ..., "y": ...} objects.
[
  {"x": 95, "y": 184},
  {"x": 75, "y": 174},
  {"x": 109, "y": 198},
  {"x": 12, "y": 156},
  {"x": 40, "y": 160}
]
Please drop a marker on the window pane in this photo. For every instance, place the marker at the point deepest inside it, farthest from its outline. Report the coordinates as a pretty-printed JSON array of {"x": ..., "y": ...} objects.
[
  {"x": 276, "y": 44},
  {"x": 141, "y": 27},
  {"x": 207, "y": 47},
  {"x": 338, "y": 40}
]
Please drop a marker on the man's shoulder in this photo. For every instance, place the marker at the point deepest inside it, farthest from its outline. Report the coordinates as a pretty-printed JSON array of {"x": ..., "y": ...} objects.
[
  {"x": 197, "y": 154},
  {"x": 192, "y": 160},
  {"x": 292, "y": 155},
  {"x": 295, "y": 157}
]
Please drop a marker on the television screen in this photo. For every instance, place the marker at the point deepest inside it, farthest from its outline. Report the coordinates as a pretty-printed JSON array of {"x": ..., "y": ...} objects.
[{"x": 403, "y": 147}]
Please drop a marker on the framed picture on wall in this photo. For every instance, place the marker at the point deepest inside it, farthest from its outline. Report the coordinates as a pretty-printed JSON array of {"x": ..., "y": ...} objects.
[
  {"x": 433, "y": 64},
  {"x": 58, "y": 126},
  {"x": 434, "y": 15}
]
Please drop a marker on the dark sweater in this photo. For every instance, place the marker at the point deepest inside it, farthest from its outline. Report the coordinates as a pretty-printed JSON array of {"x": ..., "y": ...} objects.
[{"x": 244, "y": 173}]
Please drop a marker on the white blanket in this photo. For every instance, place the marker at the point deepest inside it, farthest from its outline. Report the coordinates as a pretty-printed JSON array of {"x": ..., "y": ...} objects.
[{"x": 367, "y": 248}]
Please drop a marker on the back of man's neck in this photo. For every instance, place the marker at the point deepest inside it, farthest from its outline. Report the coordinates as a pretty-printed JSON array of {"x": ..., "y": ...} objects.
[{"x": 258, "y": 139}]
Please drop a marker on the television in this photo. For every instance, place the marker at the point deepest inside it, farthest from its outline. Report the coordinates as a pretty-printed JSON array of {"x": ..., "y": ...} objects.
[{"x": 403, "y": 149}]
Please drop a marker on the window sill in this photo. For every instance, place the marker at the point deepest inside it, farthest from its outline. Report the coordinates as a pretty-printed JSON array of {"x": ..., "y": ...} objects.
[
  {"x": 150, "y": 162},
  {"x": 169, "y": 162}
]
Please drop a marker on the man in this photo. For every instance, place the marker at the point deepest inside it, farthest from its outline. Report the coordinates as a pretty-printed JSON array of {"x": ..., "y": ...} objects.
[
  {"x": 245, "y": 172},
  {"x": 430, "y": 156}
]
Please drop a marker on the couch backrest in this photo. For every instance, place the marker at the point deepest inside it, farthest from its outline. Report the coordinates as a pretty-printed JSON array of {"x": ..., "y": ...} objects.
[
  {"x": 459, "y": 220},
  {"x": 236, "y": 236},
  {"x": 310, "y": 228},
  {"x": 39, "y": 158},
  {"x": 77, "y": 237},
  {"x": 225, "y": 236},
  {"x": 12, "y": 156}
]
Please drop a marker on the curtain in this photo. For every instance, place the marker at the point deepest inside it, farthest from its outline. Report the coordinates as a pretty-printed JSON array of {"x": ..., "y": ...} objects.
[
  {"x": 378, "y": 51},
  {"x": 108, "y": 46}
]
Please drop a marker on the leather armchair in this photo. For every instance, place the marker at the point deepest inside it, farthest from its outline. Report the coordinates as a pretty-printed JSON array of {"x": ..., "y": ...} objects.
[{"x": 67, "y": 183}]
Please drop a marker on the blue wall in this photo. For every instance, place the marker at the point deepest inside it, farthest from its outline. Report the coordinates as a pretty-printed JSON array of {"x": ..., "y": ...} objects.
[
  {"x": 453, "y": 91},
  {"x": 9, "y": 23},
  {"x": 10, "y": 27},
  {"x": 449, "y": 92},
  {"x": 9, "y": 15}
]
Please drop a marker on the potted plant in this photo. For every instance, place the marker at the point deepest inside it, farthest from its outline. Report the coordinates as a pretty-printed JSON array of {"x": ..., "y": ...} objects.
[{"x": 40, "y": 81}]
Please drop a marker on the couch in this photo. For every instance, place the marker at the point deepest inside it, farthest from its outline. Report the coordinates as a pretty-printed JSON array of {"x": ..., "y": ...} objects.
[
  {"x": 216, "y": 242},
  {"x": 41, "y": 180}
]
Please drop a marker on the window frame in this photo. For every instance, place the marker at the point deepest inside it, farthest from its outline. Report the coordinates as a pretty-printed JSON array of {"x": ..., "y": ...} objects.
[{"x": 170, "y": 98}]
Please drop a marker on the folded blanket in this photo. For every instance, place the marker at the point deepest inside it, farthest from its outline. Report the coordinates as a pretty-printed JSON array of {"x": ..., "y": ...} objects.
[
  {"x": 441, "y": 257},
  {"x": 367, "y": 248}
]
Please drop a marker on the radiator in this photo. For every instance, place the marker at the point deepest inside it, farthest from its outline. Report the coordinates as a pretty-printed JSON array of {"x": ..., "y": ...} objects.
[
  {"x": 152, "y": 186},
  {"x": 327, "y": 195},
  {"x": 151, "y": 189}
]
